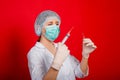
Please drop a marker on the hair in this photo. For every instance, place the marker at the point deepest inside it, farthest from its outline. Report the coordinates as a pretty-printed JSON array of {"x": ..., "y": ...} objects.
[{"x": 41, "y": 19}]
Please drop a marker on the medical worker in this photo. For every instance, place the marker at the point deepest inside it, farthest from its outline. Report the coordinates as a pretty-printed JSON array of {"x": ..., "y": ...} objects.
[{"x": 52, "y": 61}]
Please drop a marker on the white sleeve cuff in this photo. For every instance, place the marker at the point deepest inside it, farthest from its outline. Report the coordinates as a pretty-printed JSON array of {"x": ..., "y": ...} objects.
[{"x": 79, "y": 73}]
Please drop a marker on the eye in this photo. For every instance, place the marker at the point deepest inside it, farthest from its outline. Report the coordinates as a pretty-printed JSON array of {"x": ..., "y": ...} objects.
[
  {"x": 50, "y": 23},
  {"x": 57, "y": 23}
]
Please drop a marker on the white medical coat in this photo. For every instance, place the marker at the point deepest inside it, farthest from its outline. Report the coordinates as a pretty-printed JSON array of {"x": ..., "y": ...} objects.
[{"x": 40, "y": 60}]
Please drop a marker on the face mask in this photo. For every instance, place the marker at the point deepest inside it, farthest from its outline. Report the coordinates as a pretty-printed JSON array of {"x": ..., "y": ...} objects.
[{"x": 52, "y": 32}]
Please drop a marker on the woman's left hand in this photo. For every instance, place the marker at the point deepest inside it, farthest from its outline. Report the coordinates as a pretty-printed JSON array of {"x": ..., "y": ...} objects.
[{"x": 88, "y": 47}]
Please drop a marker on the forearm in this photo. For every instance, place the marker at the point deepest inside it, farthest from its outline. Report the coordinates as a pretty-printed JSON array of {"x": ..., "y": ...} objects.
[
  {"x": 51, "y": 74},
  {"x": 84, "y": 65}
]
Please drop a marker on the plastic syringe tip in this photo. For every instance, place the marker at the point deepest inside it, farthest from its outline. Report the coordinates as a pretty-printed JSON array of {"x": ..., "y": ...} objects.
[
  {"x": 70, "y": 30},
  {"x": 83, "y": 35}
]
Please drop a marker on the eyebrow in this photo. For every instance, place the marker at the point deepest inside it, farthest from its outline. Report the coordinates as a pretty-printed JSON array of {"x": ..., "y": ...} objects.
[
  {"x": 57, "y": 22},
  {"x": 50, "y": 22}
]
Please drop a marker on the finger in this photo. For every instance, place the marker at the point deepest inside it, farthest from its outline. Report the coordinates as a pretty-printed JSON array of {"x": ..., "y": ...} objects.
[
  {"x": 65, "y": 45},
  {"x": 90, "y": 44},
  {"x": 86, "y": 40},
  {"x": 94, "y": 46},
  {"x": 59, "y": 43},
  {"x": 68, "y": 51}
]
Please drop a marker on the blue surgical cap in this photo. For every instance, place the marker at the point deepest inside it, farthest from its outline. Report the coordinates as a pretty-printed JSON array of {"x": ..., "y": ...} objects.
[{"x": 41, "y": 18}]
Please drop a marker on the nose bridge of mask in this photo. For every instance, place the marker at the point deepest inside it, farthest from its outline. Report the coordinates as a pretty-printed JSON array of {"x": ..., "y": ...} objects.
[{"x": 52, "y": 29}]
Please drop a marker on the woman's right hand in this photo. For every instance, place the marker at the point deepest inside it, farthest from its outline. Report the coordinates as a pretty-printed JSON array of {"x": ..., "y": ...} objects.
[{"x": 61, "y": 54}]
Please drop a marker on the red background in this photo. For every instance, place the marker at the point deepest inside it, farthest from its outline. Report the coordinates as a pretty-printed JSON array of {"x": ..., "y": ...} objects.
[{"x": 97, "y": 19}]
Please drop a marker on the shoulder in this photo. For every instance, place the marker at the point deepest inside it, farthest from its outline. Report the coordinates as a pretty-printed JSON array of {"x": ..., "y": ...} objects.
[{"x": 36, "y": 51}]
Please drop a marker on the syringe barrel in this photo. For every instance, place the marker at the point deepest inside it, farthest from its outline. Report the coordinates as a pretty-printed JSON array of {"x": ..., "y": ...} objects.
[{"x": 65, "y": 38}]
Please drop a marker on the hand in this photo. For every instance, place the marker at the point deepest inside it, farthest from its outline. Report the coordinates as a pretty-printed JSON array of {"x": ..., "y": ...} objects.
[
  {"x": 61, "y": 55},
  {"x": 88, "y": 47}
]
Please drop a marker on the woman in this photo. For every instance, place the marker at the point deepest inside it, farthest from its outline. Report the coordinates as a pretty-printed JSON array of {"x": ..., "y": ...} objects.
[{"x": 52, "y": 61}]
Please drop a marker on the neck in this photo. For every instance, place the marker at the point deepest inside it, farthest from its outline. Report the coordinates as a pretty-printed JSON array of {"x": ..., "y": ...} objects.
[{"x": 46, "y": 42}]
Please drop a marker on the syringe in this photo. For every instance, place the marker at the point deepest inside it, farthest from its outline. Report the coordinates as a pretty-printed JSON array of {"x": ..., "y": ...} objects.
[{"x": 67, "y": 36}]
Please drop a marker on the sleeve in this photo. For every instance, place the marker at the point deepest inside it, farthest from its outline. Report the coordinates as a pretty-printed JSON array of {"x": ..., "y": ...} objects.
[
  {"x": 35, "y": 64},
  {"x": 76, "y": 66}
]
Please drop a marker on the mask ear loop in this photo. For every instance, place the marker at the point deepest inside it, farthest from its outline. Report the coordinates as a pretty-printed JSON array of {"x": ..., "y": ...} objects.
[{"x": 38, "y": 32}]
